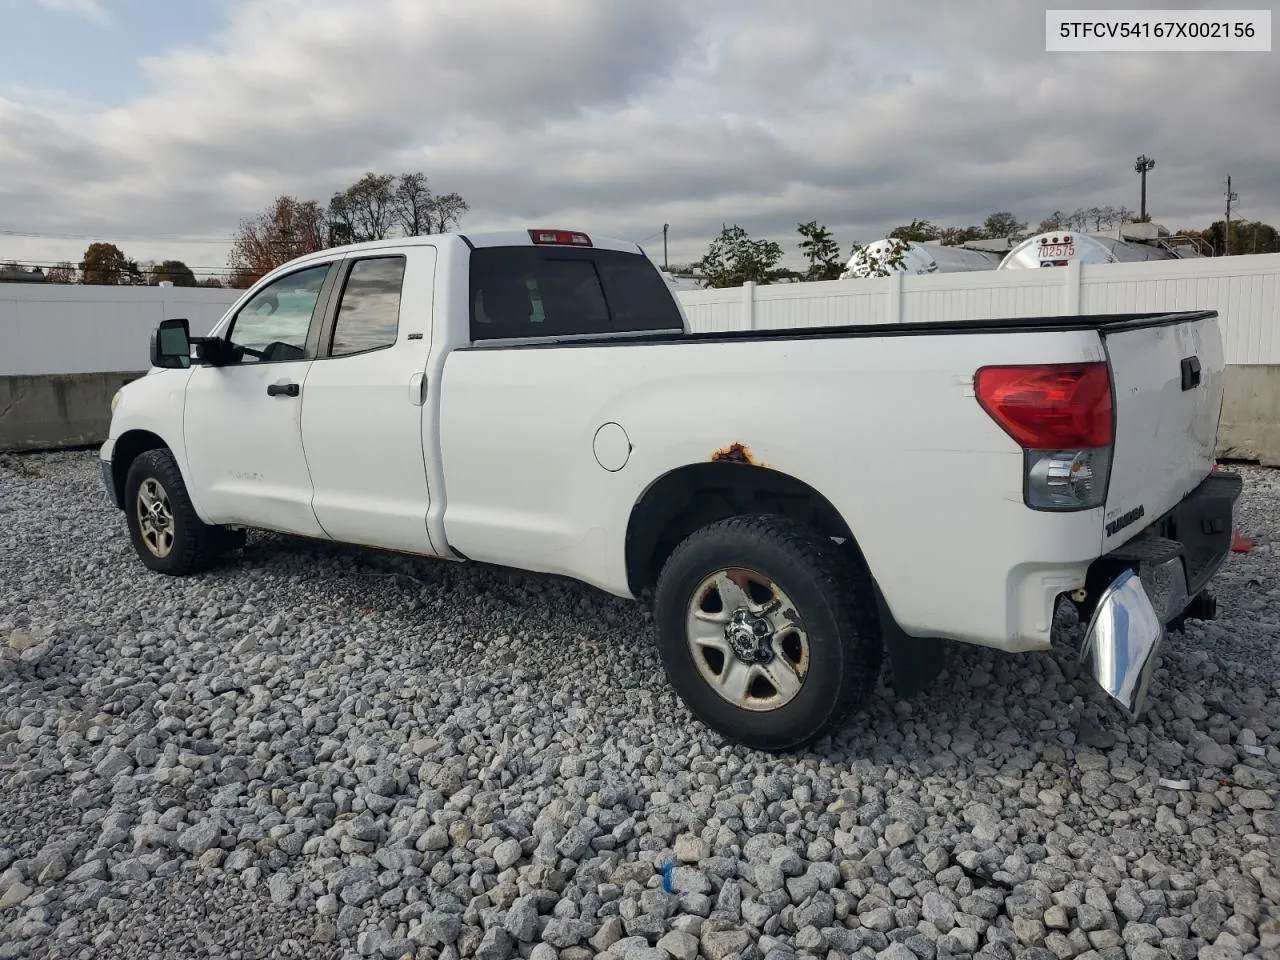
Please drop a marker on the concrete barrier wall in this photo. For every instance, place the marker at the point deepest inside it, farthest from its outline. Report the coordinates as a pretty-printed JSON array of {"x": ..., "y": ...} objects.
[
  {"x": 65, "y": 349},
  {"x": 1250, "y": 426},
  {"x": 55, "y": 411}
]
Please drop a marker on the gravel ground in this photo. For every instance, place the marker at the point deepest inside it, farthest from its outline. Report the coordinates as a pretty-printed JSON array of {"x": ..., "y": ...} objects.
[{"x": 320, "y": 752}]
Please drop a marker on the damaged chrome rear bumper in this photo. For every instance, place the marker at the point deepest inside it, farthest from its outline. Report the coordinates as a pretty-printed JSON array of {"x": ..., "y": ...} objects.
[{"x": 1151, "y": 584}]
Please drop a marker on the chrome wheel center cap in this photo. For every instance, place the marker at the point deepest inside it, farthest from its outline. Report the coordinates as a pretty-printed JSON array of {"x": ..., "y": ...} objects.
[{"x": 748, "y": 636}]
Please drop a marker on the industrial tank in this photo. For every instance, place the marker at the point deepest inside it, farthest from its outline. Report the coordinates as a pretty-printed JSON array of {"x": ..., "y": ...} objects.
[
  {"x": 1057, "y": 248},
  {"x": 920, "y": 258}
]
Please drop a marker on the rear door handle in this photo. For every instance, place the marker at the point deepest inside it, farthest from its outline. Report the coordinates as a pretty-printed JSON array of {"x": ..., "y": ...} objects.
[
  {"x": 282, "y": 389},
  {"x": 418, "y": 389},
  {"x": 1190, "y": 373}
]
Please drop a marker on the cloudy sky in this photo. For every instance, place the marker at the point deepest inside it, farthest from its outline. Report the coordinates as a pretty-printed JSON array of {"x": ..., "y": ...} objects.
[{"x": 159, "y": 124}]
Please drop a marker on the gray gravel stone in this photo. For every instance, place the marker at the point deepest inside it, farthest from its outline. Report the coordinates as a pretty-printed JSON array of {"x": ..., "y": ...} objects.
[
  {"x": 344, "y": 752},
  {"x": 199, "y": 837},
  {"x": 522, "y": 919},
  {"x": 680, "y": 945},
  {"x": 722, "y": 944}
]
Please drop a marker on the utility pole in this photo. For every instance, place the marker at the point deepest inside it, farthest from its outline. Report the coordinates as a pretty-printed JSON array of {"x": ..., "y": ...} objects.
[
  {"x": 665, "y": 228},
  {"x": 1142, "y": 165},
  {"x": 1226, "y": 234}
]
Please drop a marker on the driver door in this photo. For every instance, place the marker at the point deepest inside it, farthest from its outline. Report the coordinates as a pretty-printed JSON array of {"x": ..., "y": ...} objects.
[{"x": 242, "y": 420}]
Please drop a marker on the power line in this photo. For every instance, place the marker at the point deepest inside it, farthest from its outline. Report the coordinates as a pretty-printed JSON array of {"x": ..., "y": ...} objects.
[
  {"x": 36, "y": 234},
  {"x": 49, "y": 264}
]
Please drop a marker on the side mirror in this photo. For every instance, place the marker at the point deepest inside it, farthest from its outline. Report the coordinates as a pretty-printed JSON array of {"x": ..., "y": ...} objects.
[{"x": 171, "y": 344}]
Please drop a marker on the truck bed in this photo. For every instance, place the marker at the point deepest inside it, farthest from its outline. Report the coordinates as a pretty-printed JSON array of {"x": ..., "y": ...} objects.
[{"x": 1109, "y": 323}]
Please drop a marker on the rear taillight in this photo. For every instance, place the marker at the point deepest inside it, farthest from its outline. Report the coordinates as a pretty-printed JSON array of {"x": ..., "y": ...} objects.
[{"x": 1061, "y": 415}]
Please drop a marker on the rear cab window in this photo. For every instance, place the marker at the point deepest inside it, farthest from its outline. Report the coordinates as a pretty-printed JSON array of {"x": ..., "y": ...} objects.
[{"x": 522, "y": 292}]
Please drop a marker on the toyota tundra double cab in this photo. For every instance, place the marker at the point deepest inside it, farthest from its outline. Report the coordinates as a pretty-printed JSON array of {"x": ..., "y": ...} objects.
[{"x": 800, "y": 506}]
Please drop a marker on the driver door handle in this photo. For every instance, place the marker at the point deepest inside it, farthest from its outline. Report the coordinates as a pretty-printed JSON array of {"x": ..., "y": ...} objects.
[{"x": 282, "y": 389}]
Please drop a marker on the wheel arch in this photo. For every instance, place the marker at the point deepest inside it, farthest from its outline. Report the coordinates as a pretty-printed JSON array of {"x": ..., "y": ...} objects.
[
  {"x": 691, "y": 496},
  {"x": 694, "y": 495},
  {"x": 128, "y": 447}
]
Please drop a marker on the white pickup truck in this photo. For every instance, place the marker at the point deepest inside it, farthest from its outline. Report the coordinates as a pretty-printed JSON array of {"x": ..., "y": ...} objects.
[{"x": 798, "y": 503}]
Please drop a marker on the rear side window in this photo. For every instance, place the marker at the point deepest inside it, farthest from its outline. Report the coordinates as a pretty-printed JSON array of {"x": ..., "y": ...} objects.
[
  {"x": 557, "y": 292},
  {"x": 369, "y": 312}
]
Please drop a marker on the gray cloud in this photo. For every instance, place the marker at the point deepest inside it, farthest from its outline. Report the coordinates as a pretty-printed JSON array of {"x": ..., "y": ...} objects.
[{"x": 621, "y": 117}]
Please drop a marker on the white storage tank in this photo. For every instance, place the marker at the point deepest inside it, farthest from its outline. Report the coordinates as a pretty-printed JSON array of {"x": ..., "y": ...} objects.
[
  {"x": 1057, "y": 248},
  {"x": 919, "y": 258}
]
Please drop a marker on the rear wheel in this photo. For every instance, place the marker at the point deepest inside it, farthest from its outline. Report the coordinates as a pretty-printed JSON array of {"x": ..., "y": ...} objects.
[
  {"x": 768, "y": 631},
  {"x": 166, "y": 533}
]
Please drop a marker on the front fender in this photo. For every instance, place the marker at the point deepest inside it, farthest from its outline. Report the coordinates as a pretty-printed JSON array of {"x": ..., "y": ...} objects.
[{"x": 154, "y": 405}]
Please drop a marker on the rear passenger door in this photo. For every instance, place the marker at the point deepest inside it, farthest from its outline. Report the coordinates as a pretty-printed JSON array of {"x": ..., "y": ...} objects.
[{"x": 363, "y": 403}]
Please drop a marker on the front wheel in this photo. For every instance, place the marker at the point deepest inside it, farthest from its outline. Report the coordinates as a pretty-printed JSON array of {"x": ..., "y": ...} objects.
[
  {"x": 166, "y": 533},
  {"x": 768, "y": 631}
]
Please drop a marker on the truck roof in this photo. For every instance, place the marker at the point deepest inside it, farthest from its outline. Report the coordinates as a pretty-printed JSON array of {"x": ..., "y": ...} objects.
[{"x": 481, "y": 238}]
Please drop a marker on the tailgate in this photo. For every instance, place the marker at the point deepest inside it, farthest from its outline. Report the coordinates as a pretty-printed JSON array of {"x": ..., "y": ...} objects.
[{"x": 1168, "y": 398}]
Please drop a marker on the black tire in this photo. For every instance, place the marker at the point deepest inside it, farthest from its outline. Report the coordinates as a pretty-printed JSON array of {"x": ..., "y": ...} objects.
[
  {"x": 195, "y": 545},
  {"x": 833, "y": 596}
]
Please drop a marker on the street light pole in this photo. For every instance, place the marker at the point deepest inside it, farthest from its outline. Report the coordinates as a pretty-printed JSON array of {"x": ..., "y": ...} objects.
[
  {"x": 665, "y": 265},
  {"x": 1142, "y": 165}
]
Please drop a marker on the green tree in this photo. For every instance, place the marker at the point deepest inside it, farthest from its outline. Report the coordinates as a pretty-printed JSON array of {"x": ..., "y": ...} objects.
[
  {"x": 174, "y": 271},
  {"x": 955, "y": 236},
  {"x": 1247, "y": 237},
  {"x": 103, "y": 263},
  {"x": 133, "y": 274},
  {"x": 1002, "y": 225},
  {"x": 865, "y": 262},
  {"x": 734, "y": 258},
  {"x": 821, "y": 250},
  {"x": 917, "y": 231},
  {"x": 210, "y": 282}
]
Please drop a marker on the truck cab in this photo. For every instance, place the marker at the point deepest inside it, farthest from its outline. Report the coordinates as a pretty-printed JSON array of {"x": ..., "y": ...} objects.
[{"x": 312, "y": 407}]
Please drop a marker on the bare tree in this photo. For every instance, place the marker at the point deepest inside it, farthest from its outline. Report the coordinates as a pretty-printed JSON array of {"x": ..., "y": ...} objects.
[
  {"x": 447, "y": 211},
  {"x": 413, "y": 204},
  {"x": 64, "y": 272},
  {"x": 365, "y": 210}
]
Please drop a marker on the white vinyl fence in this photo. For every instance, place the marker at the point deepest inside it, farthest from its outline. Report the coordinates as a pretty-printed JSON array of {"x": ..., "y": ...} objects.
[
  {"x": 1244, "y": 290},
  {"x": 62, "y": 329},
  {"x": 56, "y": 328}
]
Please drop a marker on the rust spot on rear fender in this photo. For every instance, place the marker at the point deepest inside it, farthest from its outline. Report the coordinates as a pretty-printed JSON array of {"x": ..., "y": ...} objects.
[{"x": 736, "y": 453}]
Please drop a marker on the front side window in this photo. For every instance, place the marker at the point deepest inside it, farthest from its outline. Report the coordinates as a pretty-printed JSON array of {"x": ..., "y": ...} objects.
[
  {"x": 273, "y": 325},
  {"x": 369, "y": 312}
]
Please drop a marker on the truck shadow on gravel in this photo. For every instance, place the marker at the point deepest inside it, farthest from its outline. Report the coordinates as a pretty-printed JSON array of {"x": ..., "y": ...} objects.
[{"x": 986, "y": 707}]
